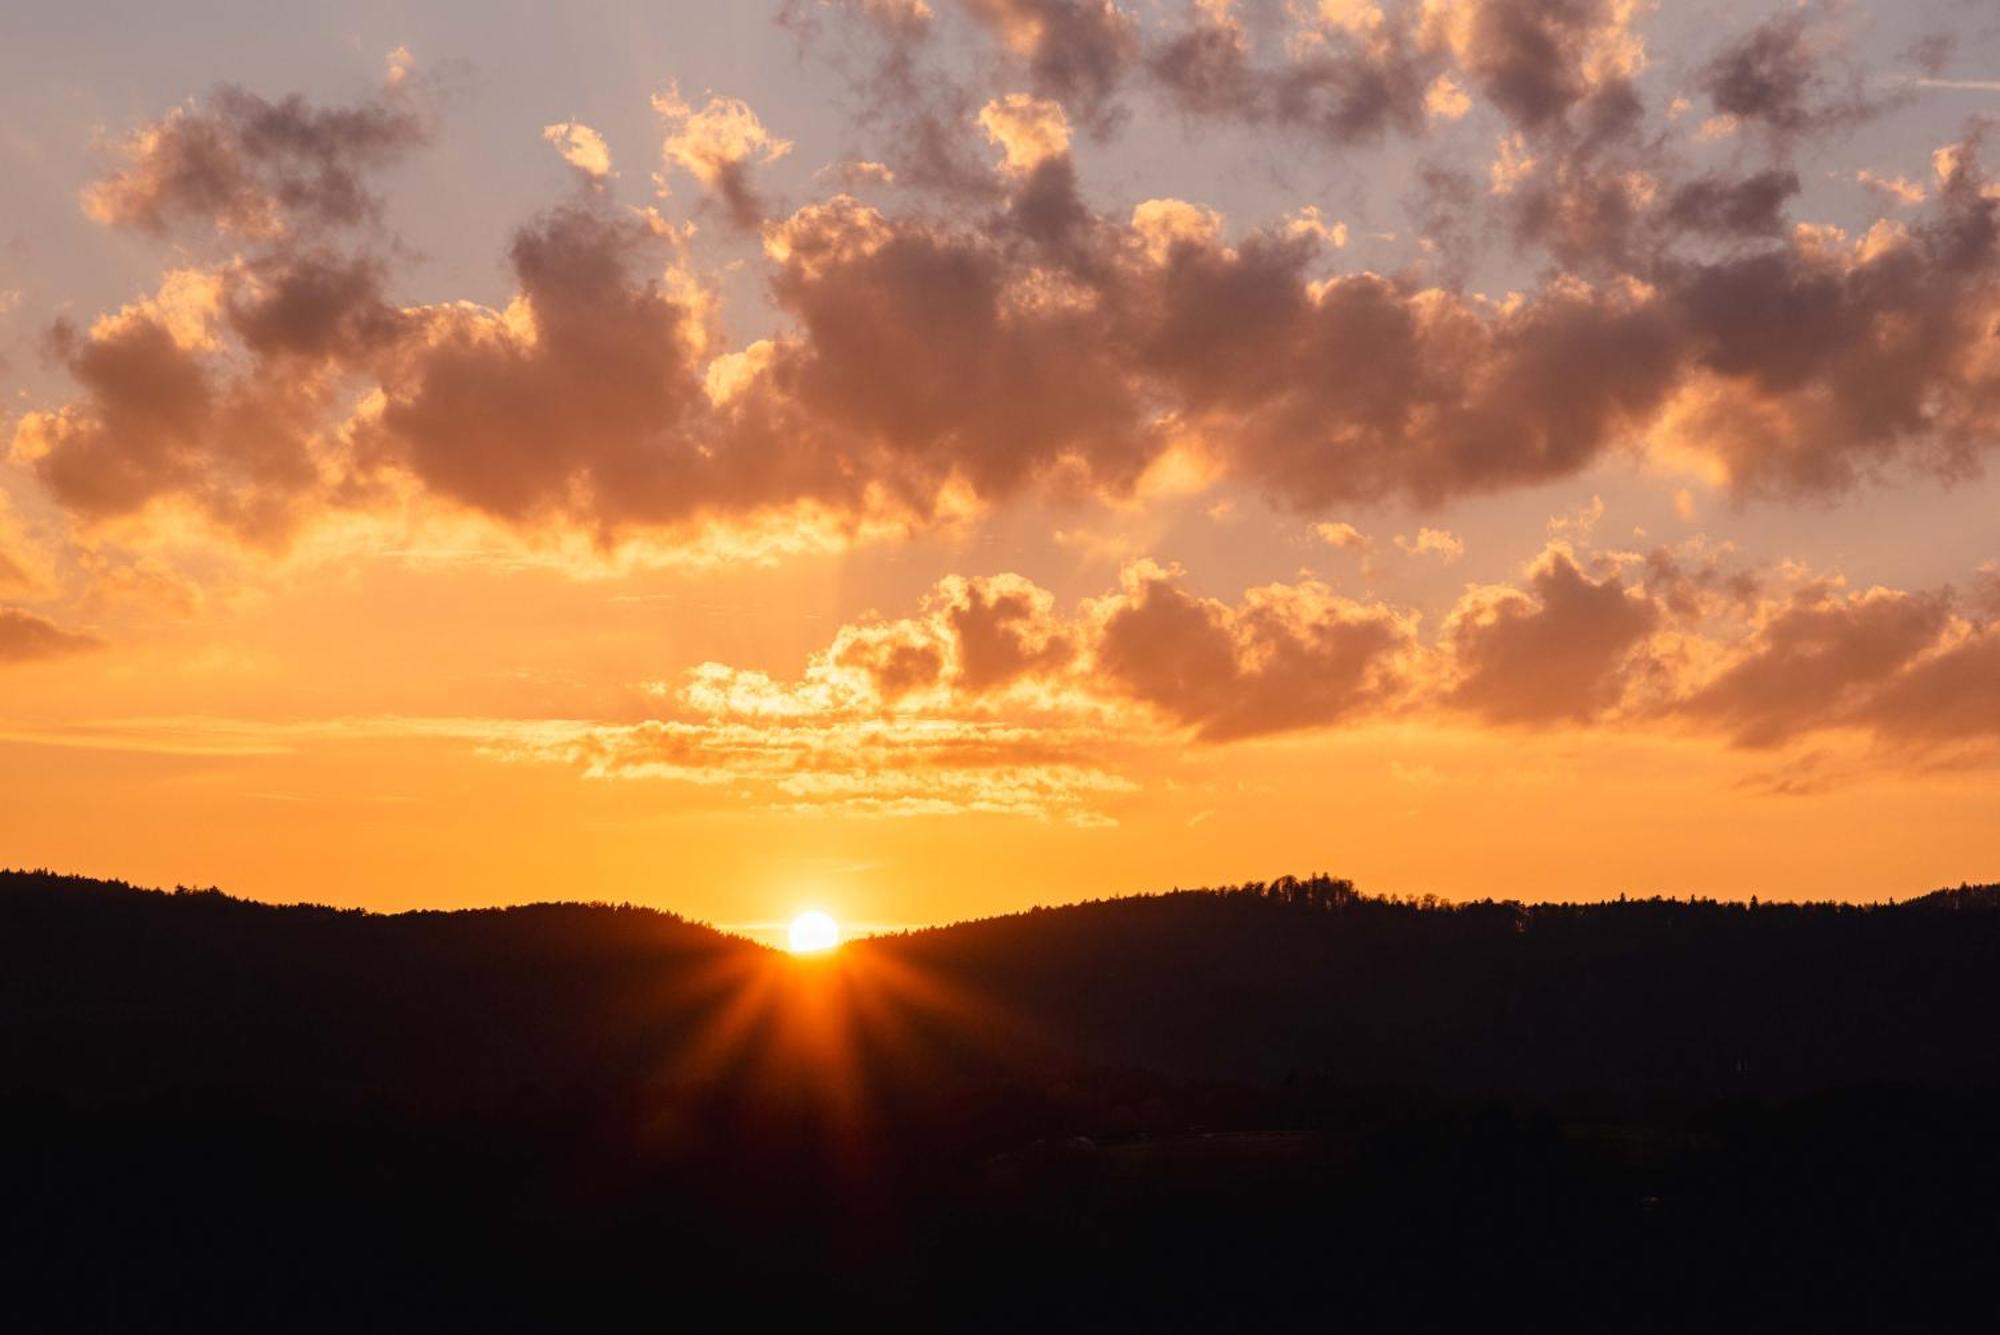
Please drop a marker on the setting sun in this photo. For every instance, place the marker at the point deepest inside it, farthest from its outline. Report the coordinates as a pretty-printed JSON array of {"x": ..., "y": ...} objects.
[{"x": 813, "y": 932}]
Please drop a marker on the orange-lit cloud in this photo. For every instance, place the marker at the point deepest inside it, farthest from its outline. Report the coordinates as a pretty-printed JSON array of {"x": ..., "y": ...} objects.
[
  {"x": 1046, "y": 346},
  {"x": 991, "y": 670},
  {"x": 581, "y": 147},
  {"x": 25, "y": 638},
  {"x": 718, "y": 143},
  {"x": 1559, "y": 650}
]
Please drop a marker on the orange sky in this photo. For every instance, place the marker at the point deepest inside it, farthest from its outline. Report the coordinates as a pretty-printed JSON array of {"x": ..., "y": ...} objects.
[{"x": 927, "y": 460}]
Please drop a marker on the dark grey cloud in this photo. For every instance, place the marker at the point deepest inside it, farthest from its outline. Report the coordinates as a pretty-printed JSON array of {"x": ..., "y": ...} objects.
[
  {"x": 1791, "y": 74},
  {"x": 257, "y": 168}
]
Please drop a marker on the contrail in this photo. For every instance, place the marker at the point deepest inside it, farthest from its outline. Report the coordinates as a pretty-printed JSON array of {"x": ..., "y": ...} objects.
[{"x": 1963, "y": 85}]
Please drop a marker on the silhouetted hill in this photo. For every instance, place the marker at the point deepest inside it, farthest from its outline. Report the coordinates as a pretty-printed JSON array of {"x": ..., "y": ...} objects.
[
  {"x": 1302, "y": 979},
  {"x": 113, "y": 989},
  {"x": 1259, "y": 1107},
  {"x": 109, "y": 989}
]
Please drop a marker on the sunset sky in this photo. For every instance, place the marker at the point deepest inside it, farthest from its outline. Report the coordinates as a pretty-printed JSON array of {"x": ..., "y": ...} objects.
[{"x": 922, "y": 458}]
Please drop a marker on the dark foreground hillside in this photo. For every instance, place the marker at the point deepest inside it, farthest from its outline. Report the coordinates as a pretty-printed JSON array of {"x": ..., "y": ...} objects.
[{"x": 1282, "y": 1106}]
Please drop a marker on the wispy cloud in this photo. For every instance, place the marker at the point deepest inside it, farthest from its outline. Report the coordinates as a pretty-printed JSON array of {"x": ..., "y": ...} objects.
[{"x": 1962, "y": 85}]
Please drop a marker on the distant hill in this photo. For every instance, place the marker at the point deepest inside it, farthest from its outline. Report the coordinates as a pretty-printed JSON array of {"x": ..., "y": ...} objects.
[
  {"x": 1309, "y": 979},
  {"x": 110, "y": 989},
  {"x": 1274, "y": 1106}
]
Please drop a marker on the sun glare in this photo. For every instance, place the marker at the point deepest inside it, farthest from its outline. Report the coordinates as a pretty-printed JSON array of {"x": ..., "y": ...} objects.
[{"x": 813, "y": 932}]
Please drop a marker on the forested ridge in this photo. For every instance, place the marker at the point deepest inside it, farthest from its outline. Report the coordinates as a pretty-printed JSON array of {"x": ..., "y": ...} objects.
[{"x": 1276, "y": 1105}]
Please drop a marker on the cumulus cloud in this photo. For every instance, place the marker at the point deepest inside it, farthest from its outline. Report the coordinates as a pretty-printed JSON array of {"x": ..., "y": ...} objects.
[
  {"x": 1350, "y": 74},
  {"x": 718, "y": 144},
  {"x": 1029, "y": 130},
  {"x": 1354, "y": 70},
  {"x": 1036, "y": 341},
  {"x": 254, "y": 168},
  {"x": 1445, "y": 545},
  {"x": 1814, "y": 658},
  {"x": 991, "y": 697},
  {"x": 1948, "y": 696},
  {"x": 1289, "y": 657},
  {"x": 162, "y": 417},
  {"x": 1685, "y": 641},
  {"x": 1536, "y": 60},
  {"x": 1816, "y": 364},
  {"x": 1790, "y": 74},
  {"x": 1076, "y": 52},
  {"x": 1559, "y": 650},
  {"x": 1750, "y": 206},
  {"x": 570, "y": 397}
]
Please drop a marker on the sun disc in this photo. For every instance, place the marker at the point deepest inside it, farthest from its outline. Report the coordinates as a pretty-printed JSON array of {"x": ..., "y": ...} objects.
[{"x": 813, "y": 932}]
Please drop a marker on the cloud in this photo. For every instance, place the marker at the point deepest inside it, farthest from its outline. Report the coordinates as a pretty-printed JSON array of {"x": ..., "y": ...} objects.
[
  {"x": 976, "y": 704},
  {"x": 888, "y": 767},
  {"x": 1040, "y": 344},
  {"x": 1751, "y": 206},
  {"x": 581, "y": 147},
  {"x": 27, "y": 638},
  {"x": 1446, "y": 546},
  {"x": 1512, "y": 163},
  {"x": 1004, "y": 375},
  {"x": 1898, "y": 188},
  {"x": 1813, "y": 365},
  {"x": 1962, "y": 85},
  {"x": 1347, "y": 538},
  {"x": 854, "y": 173},
  {"x": 1695, "y": 645},
  {"x": 1444, "y": 100},
  {"x": 1289, "y": 657},
  {"x": 991, "y": 688},
  {"x": 1560, "y": 650},
  {"x": 1350, "y": 74},
  {"x": 976, "y": 643},
  {"x": 990, "y": 699},
  {"x": 1536, "y": 60},
  {"x": 582, "y": 399},
  {"x": 25, "y": 564},
  {"x": 1076, "y": 52},
  {"x": 1814, "y": 658},
  {"x": 254, "y": 168},
  {"x": 1029, "y": 130},
  {"x": 159, "y": 418},
  {"x": 1006, "y": 631},
  {"x": 1947, "y": 697},
  {"x": 1789, "y": 74},
  {"x": 718, "y": 144}
]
